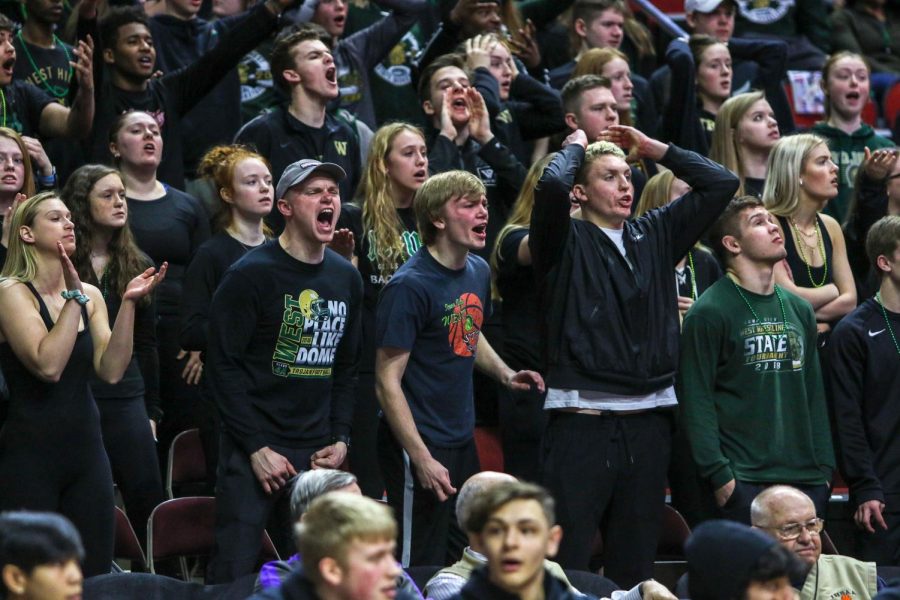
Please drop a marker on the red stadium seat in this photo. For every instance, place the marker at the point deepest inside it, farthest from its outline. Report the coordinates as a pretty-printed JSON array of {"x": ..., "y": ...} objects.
[
  {"x": 185, "y": 527},
  {"x": 892, "y": 105},
  {"x": 127, "y": 545},
  {"x": 490, "y": 451},
  {"x": 187, "y": 462}
]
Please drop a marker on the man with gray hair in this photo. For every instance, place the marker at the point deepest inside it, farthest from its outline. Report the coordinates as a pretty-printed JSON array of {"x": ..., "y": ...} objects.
[
  {"x": 789, "y": 515},
  {"x": 308, "y": 486}
]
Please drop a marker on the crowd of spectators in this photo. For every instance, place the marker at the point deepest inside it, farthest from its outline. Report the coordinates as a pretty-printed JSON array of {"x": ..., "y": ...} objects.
[{"x": 340, "y": 234}]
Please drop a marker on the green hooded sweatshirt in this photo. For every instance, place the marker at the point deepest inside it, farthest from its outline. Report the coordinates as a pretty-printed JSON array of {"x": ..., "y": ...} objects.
[{"x": 848, "y": 152}]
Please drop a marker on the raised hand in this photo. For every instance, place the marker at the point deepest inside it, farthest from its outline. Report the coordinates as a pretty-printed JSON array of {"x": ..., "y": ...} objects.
[
  {"x": 635, "y": 141},
  {"x": 879, "y": 164},
  {"x": 144, "y": 283},
  {"x": 448, "y": 129},
  {"x": 480, "y": 119},
  {"x": 38, "y": 155},
  {"x": 70, "y": 275},
  {"x": 478, "y": 51},
  {"x": 525, "y": 47},
  {"x": 342, "y": 242},
  {"x": 576, "y": 137},
  {"x": 84, "y": 64},
  {"x": 7, "y": 218}
]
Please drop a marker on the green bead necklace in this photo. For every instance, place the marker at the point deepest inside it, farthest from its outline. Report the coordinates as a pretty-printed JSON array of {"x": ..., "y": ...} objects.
[
  {"x": 693, "y": 276},
  {"x": 887, "y": 321},
  {"x": 756, "y": 316},
  {"x": 57, "y": 91},
  {"x": 820, "y": 242}
]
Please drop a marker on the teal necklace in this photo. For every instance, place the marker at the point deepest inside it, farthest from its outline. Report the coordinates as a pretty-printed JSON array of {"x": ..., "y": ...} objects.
[
  {"x": 887, "y": 321},
  {"x": 57, "y": 91},
  {"x": 756, "y": 316}
]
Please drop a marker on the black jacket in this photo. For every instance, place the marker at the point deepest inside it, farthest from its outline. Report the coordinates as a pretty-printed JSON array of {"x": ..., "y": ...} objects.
[
  {"x": 284, "y": 140},
  {"x": 480, "y": 588},
  {"x": 612, "y": 325}
]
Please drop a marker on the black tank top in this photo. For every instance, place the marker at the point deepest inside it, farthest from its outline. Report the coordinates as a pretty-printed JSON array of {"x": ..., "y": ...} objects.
[
  {"x": 42, "y": 410},
  {"x": 798, "y": 266}
]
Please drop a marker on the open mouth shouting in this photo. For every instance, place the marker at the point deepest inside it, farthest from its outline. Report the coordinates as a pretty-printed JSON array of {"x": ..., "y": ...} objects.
[
  {"x": 480, "y": 232},
  {"x": 7, "y": 67},
  {"x": 325, "y": 221},
  {"x": 331, "y": 75}
]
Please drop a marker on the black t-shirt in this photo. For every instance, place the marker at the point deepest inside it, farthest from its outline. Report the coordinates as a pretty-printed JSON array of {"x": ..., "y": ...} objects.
[
  {"x": 521, "y": 321},
  {"x": 436, "y": 314},
  {"x": 22, "y": 105},
  {"x": 46, "y": 68},
  {"x": 706, "y": 272},
  {"x": 203, "y": 276},
  {"x": 373, "y": 280},
  {"x": 170, "y": 228},
  {"x": 284, "y": 348}
]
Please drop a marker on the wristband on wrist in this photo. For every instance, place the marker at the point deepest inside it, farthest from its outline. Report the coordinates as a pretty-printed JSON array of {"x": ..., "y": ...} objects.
[
  {"x": 341, "y": 438},
  {"x": 76, "y": 295},
  {"x": 48, "y": 181}
]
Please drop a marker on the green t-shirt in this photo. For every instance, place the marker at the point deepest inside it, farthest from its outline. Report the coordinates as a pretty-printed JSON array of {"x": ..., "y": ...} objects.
[
  {"x": 848, "y": 152},
  {"x": 752, "y": 397}
]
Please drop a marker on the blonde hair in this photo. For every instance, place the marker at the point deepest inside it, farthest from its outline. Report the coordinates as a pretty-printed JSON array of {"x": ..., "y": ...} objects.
[
  {"x": 28, "y": 186},
  {"x": 21, "y": 258},
  {"x": 520, "y": 217},
  {"x": 592, "y": 63},
  {"x": 781, "y": 193},
  {"x": 334, "y": 521},
  {"x": 594, "y": 152},
  {"x": 436, "y": 192},
  {"x": 379, "y": 213},
  {"x": 725, "y": 148},
  {"x": 656, "y": 192},
  {"x": 218, "y": 165}
]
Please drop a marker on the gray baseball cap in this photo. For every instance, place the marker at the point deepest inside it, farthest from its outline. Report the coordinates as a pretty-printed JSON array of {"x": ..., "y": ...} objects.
[{"x": 299, "y": 171}]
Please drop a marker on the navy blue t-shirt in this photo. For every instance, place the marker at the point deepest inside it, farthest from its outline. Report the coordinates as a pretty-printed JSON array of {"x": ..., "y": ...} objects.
[{"x": 436, "y": 314}]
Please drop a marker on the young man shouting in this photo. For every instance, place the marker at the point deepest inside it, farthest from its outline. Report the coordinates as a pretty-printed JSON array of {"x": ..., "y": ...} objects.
[
  {"x": 428, "y": 340},
  {"x": 283, "y": 354}
]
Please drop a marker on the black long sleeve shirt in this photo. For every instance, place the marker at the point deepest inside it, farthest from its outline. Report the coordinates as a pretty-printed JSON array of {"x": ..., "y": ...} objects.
[{"x": 283, "y": 349}]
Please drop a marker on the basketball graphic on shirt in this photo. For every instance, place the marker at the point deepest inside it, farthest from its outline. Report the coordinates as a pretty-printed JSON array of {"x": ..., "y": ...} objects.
[{"x": 465, "y": 324}]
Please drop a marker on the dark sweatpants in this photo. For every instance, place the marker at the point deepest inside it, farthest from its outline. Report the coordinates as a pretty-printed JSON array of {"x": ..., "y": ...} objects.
[
  {"x": 132, "y": 456},
  {"x": 608, "y": 472},
  {"x": 243, "y": 509},
  {"x": 737, "y": 508},
  {"x": 882, "y": 547},
  {"x": 428, "y": 531}
]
